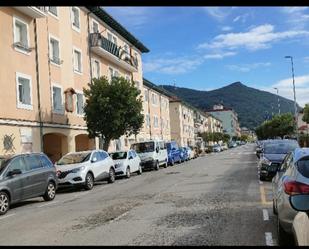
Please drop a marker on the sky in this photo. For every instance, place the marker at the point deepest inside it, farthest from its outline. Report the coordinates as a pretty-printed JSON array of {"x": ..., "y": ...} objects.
[{"x": 205, "y": 48}]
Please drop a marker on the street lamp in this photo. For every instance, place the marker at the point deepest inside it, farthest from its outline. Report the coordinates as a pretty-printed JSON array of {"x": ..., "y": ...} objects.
[
  {"x": 278, "y": 99},
  {"x": 295, "y": 107}
]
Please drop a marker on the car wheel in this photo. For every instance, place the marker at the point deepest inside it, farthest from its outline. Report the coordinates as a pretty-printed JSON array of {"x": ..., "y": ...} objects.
[
  {"x": 172, "y": 162},
  {"x": 89, "y": 181},
  {"x": 50, "y": 192},
  {"x": 157, "y": 166},
  {"x": 165, "y": 165},
  {"x": 4, "y": 202},
  {"x": 111, "y": 177},
  {"x": 128, "y": 173},
  {"x": 139, "y": 172},
  {"x": 284, "y": 238},
  {"x": 262, "y": 178}
]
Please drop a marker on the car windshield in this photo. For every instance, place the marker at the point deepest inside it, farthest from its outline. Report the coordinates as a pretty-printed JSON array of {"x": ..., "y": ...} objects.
[
  {"x": 143, "y": 147},
  {"x": 118, "y": 155},
  {"x": 279, "y": 148},
  {"x": 74, "y": 158}
]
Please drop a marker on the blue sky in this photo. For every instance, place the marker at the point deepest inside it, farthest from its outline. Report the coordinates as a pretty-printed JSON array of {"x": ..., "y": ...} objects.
[{"x": 206, "y": 48}]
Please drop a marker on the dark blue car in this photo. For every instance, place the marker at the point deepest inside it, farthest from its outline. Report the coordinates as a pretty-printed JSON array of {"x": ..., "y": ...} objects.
[{"x": 173, "y": 153}]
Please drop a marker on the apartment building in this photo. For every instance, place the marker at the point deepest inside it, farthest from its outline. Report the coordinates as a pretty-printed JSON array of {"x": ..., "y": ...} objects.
[
  {"x": 156, "y": 113},
  {"x": 182, "y": 122},
  {"x": 200, "y": 126},
  {"x": 49, "y": 54},
  {"x": 228, "y": 117}
]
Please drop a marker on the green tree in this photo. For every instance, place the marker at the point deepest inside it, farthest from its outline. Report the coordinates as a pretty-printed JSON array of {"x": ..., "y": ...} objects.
[
  {"x": 306, "y": 114},
  {"x": 112, "y": 109}
]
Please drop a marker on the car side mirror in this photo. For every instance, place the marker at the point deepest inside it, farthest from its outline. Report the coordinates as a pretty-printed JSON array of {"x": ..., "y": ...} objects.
[
  {"x": 94, "y": 160},
  {"x": 300, "y": 202},
  {"x": 14, "y": 172}
]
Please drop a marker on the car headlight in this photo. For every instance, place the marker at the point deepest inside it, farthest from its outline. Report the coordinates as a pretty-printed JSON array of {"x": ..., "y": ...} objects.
[{"x": 78, "y": 169}]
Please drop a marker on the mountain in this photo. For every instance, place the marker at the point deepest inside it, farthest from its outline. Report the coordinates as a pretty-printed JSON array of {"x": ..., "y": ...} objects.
[{"x": 252, "y": 105}]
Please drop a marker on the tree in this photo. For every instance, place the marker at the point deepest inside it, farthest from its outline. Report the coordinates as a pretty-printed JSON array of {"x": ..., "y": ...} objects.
[
  {"x": 306, "y": 114},
  {"x": 112, "y": 109}
]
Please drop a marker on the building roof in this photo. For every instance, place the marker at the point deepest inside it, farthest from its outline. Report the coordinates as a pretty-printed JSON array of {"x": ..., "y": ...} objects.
[
  {"x": 157, "y": 88},
  {"x": 110, "y": 21}
]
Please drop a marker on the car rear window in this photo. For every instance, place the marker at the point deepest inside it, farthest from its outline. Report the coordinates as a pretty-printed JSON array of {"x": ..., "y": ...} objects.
[{"x": 303, "y": 166}]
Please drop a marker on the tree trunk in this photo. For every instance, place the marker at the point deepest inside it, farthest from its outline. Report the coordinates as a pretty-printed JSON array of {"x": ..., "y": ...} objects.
[{"x": 106, "y": 144}]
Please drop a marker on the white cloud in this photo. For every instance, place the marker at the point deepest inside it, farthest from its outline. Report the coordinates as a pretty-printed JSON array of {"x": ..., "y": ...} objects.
[
  {"x": 226, "y": 28},
  {"x": 218, "y": 13},
  {"x": 285, "y": 87},
  {"x": 248, "y": 67},
  {"x": 296, "y": 16},
  {"x": 176, "y": 65},
  {"x": 241, "y": 18},
  {"x": 260, "y": 37},
  {"x": 219, "y": 55}
]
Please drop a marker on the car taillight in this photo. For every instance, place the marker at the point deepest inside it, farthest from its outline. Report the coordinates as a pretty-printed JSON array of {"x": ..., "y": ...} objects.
[{"x": 294, "y": 188}]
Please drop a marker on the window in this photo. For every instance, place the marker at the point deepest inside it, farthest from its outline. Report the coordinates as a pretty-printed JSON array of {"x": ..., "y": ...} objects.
[
  {"x": 155, "y": 121},
  {"x": 18, "y": 163},
  {"x": 33, "y": 162},
  {"x": 127, "y": 78},
  {"x": 97, "y": 156},
  {"x": 113, "y": 73},
  {"x": 104, "y": 155},
  {"x": 57, "y": 100},
  {"x": 95, "y": 26},
  {"x": 24, "y": 100},
  {"x": 96, "y": 69},
  {"x": 21, "y": 36},
  {"x": 45, "y": 161},
  {"x": 79, "y": 103},
  {"x": 54, "y": 53},
  {"x": 147, "y": 120},
  {"x": 75, "y": 19},
  {"x": 53, "y": 10},
  {"x": 77, "y": 61},
  {"x": 137, "y": 84},
  {"x": 146, "y": 95},
  {"x": 112, "y": 38},
  {"x": 154, "y": 99}
]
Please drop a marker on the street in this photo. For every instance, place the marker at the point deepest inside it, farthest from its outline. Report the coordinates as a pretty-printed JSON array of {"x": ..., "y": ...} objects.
[{"x": 216, "y": 199}]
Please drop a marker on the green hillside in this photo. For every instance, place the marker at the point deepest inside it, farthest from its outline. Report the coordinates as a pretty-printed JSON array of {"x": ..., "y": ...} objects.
[{"x": 252, "y": 105}]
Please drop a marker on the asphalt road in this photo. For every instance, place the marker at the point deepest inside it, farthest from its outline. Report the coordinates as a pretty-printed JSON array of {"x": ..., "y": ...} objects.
[{"x": 212, "y": 200}]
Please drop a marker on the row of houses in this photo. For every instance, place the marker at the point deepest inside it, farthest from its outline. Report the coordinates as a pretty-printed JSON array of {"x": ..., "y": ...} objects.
[{"x": 49, "y": 54}]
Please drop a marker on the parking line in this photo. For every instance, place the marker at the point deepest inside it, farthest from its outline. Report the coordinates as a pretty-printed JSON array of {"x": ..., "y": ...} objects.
[
  {"x": 269, "y": 239},
  {"x": 263, "y": 197},
  {"x": 265, "y": 214},
  {"x": 6, "y": 216}
]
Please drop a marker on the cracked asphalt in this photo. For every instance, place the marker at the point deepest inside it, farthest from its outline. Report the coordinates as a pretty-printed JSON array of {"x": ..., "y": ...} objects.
[{"x": 211, "y": 200}]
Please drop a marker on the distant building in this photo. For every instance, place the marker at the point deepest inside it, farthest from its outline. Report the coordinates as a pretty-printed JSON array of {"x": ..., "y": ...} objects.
[{"x": 228, "y": 117}]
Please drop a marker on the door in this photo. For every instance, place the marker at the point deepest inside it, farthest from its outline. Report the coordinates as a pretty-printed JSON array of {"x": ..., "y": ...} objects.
[
  {"x": 36, "y": 176},
  {"x": 96, "y": 165},
  {"x": 132, "y": 161},
  {"x": 17, "y": 183}
]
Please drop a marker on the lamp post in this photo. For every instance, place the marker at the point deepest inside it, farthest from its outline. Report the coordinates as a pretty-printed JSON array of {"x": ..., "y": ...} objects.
[
  {"x": 295, "y": 107},
  {"x": 278, "y": 99}
]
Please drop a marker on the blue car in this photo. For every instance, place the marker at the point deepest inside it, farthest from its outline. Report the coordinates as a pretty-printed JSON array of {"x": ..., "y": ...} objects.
[
  {"x": 173, "y": 153},
  {"x": 184, "y": 154}
]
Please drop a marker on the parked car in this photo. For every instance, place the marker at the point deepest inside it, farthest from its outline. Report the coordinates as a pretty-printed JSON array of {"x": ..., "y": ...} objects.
[
  {"x": 191, "y": 153},
  {"x": 292, "y": 178},
  {"x": 216, "y": 148},
  {"x": 184, "y": 154},
  {"x": 300, "y": 226},
  {"x": 153, "y": 154},
  {"x": 84, "y": 168},
  {"x": 208, "y": 149},
  {"x": 173, "y": 153},
  {"x": 272, "y": 156},
  {"x": 224, "y": 146},
  {"x": 24, "y": 176},
  {"x": 232, "y": 144},
  {"x": 126, "y": 162}
]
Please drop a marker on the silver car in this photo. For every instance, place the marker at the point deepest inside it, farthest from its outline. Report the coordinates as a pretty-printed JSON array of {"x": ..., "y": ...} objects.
[
  {"x": 291, "y": 178},
  {"x": 85, "y": 167},
  {"x": 25, "y": 176}
]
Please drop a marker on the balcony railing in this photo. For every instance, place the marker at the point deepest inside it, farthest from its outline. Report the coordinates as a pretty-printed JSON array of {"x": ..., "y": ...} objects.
[{"x": 97, "y": 40}]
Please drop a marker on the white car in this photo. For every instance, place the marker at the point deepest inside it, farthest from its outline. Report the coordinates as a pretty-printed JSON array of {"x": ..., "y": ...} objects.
[
  {"x": 126, "y": 162},
  {"x": 85, "y": 167}
]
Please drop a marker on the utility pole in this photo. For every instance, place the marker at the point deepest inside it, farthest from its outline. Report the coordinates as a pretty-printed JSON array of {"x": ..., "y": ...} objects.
[
  {"x": 295, "y": 107},
  {"x": 278, "y": 100}
]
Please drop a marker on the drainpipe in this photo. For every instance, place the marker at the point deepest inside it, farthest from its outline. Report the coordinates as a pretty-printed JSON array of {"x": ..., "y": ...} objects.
[
  {"x": 38, "y": 85},
  {"x": 89, "y": 45}
]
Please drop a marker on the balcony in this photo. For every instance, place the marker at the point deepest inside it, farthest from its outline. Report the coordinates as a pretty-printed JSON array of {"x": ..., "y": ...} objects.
[
  {"x": 33, "y": 11},
  {"x": 110, "y": 51}
]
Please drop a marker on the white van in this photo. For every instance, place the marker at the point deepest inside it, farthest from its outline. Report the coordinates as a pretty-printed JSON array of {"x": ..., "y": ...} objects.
[{"x": 153, "y": 153}]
